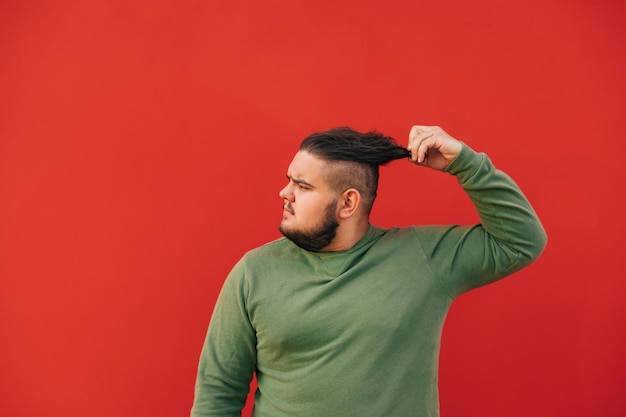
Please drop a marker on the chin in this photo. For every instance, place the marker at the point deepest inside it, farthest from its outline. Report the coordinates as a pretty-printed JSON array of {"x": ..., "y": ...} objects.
[{"x": 283, "y": 226}]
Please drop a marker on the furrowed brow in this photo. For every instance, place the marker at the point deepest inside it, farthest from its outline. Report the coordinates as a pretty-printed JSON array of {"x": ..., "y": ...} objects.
[{"x": 300, "y": 181}]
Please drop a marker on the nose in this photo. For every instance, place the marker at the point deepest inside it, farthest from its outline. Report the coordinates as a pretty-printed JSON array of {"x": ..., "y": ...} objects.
[{"x": 286, "y": 193}]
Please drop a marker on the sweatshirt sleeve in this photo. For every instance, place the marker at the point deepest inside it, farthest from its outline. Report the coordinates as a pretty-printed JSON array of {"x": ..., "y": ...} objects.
[
  {"x": 509, "y": 237},
  {"x": 228, "y": 357}
]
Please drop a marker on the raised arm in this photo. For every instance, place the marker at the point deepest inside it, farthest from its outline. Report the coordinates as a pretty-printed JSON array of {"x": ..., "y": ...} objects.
[{"x": 510, "y": 235}]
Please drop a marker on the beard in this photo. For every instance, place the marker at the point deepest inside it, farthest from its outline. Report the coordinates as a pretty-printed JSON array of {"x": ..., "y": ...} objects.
[{"x": 317, "y": 238}]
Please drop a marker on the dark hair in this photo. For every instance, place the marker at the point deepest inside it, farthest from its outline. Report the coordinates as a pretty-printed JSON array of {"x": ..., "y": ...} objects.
[
  {"x": 358, "y": 155},
  {"x": 346, "y": 144}
]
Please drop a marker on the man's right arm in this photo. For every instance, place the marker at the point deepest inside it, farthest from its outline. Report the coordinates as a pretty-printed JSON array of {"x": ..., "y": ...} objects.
[{"x": 228, "y": 357}]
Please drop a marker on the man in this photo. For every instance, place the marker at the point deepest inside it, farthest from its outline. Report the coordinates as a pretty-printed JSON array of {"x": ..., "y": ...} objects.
[{"x": 343, "y": 318}]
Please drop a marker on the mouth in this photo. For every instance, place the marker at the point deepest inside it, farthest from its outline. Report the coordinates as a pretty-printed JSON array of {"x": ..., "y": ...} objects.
[{"x": 287, "y": 209}]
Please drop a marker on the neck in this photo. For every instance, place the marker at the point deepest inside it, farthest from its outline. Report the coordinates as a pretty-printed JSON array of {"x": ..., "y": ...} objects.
[{"x": 348, "y": 235}]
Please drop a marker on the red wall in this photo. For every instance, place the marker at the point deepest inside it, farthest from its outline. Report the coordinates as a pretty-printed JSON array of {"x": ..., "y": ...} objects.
[{"x": 143, "y": 144}]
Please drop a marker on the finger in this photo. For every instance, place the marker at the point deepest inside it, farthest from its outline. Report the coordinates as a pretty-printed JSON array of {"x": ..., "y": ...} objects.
[
  {"x": 422, "y": 150},
  {"x": 416, "y": 131},
  {"x": 418, "y": 151}
]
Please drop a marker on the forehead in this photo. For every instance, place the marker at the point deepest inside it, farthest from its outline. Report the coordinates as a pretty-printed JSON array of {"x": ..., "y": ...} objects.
[{"x": 308, "y": 167}]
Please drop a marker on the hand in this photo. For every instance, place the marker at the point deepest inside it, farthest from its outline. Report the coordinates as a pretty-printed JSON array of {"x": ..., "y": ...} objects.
[{"x": 432, "y": 147}]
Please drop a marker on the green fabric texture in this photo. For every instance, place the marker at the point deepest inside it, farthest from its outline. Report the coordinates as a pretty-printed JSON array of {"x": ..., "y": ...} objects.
[{"x": 357, "y": 332}]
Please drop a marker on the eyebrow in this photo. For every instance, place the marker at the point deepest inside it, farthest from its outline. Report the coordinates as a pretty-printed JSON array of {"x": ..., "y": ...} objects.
[{"x": 300, "y": 181}]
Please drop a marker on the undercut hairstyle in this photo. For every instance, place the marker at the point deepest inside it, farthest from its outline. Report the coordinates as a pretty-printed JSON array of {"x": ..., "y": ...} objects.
[{"x": 356, "y": 157}]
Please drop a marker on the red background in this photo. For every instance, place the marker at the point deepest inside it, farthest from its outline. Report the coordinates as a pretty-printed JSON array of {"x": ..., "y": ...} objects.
[{"x": 143, "y": 145}]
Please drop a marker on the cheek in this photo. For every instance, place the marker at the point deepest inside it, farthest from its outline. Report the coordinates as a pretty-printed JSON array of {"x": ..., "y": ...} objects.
[
  {"x": 302, "y": 198},
  {"x": 306, "y": 204}
]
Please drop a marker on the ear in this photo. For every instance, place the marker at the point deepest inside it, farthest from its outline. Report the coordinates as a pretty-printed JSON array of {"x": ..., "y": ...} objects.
[{"x": 348, "y": 203}]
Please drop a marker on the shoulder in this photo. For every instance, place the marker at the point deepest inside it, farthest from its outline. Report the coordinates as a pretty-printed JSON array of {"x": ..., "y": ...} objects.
[
  {"x": 279, "y": 248},
  {"x": 397, "y": 233},
  {"x": 396, "y": 238},
  {"x": 410, "y": 235},
  {"x": 259, "y": 259}
]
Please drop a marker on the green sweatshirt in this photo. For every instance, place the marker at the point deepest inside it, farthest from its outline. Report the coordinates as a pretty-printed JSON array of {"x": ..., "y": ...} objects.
[{"x": 357, "y": 332}]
